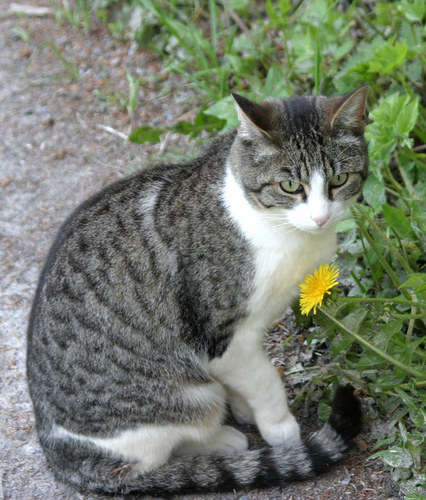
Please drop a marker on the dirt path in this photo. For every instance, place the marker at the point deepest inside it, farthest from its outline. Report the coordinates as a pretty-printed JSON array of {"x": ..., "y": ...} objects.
[{"x": 54, "y": 152}]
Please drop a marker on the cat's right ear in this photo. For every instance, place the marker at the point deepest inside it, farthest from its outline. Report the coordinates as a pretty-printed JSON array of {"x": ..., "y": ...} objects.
[
  {"x": 349, "y": 111},
  {"x": 255, "y": 119}
]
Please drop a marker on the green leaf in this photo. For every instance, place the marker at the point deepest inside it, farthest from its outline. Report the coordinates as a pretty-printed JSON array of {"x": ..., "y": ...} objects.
[
  {"x": 416, "y": 281},
  {"x": 388, "y": 57},
  {"x": 354, "y": 320},
  {"x": 239, "y": 5},
  {"x": 418, "y": 417},
  {"x": 384, "y": 442},
  {"x": 384, "y": 334},
  {"x": 341, "y": 343},
  {"x": 374, "y": 193},
  {"x": 407, "y": 116},
  {"x": 324, "y": 410},
  {"x": 395, "y": 457},
  {"x": 275, "y": 83},
  {"x": 398, "y": 221},
  {"x": 343, "y": 49},
  {"x": 224, "y": 109},
  {"x": 236, "y": 61},
  {"x": 414, "y": 70},
  {"x": 418, "y": 217},
  {"x": 389, "y": 108},
  {"x": 414, "y": 11},
  {"x": 145, "y": 134},
  {"x": 346, "y": 225},
  {"x": 202, "y": 122},
  {"x": 372, "y": 59}
]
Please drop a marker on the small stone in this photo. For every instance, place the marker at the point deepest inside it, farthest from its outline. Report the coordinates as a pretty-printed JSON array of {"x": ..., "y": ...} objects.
[
  {"x": 48, "y": 121},
  {"x": 75, "y": 88},
  {"x": 4, "y": 181},
  {"x": 59, "y": 155},
  {"x": 361, "y": 445},
  {"x": 25, "y": 51},
  {"x": 345, "y": 481}
]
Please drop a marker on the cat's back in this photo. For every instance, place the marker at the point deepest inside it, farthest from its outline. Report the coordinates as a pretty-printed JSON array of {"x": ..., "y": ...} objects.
[
  {"x": 126, "y": 286},
  {"x": 119, "y": 216}
]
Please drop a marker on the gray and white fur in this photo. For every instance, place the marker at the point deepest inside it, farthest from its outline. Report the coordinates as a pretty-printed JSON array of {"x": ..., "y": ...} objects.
[{"x": 151, "y": 308}]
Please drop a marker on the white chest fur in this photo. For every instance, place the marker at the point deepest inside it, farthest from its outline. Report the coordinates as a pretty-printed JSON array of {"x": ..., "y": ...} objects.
[{"x": 284, "y": 255}]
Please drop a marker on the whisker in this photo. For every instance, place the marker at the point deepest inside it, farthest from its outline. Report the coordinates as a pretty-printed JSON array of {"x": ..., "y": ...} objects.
[
  {"x": 274, "y": 216},
  {"x": 288, "y": 227},
  {"x": 345, "y": 158},
  {"x": 343, "y": 150},
  {"x": 283, "y": 225}
]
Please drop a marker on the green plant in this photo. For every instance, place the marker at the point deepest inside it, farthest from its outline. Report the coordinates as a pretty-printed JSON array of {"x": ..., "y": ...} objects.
[
  {"x": 22, "y": 33},
  {"x": 71, "y": 68},
  {"x": 129, "y": 101},
  {"x": 76, "y": 12}
]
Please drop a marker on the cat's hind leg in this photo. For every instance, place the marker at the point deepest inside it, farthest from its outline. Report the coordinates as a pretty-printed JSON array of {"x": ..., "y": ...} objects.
[
  {"x": 225, "y": 440},
  {"x": 151, "y": 445}
]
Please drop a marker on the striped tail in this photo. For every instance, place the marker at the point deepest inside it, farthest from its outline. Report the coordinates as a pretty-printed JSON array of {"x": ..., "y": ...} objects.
[{"x": 259, "y": 468}]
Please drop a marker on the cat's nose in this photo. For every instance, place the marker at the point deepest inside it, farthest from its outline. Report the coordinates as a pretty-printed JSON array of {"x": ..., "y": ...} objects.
[{"x": 320, "y": 219}]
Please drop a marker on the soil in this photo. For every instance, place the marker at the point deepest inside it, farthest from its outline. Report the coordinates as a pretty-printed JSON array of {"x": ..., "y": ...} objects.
[{"x": 62, "y": 139}]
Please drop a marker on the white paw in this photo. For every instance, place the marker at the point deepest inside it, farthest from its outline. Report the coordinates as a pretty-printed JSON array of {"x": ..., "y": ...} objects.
[
  {"x": 282, "y": 432},
  {"x": 240, "y": 410},
  {"x": 228, "y": 440}
]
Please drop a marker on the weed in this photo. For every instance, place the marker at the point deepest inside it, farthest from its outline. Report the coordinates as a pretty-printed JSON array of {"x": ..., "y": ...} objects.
[
  {"x": 71, "y": 68},
  {"x": 76, "y": 12}
]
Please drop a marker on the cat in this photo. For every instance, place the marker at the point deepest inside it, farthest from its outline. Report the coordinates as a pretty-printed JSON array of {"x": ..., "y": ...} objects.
[{"x": 150, "y": 310}]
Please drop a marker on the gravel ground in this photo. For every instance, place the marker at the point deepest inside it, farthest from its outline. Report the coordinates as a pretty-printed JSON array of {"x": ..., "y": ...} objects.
[{"x": 55, "y": 150}]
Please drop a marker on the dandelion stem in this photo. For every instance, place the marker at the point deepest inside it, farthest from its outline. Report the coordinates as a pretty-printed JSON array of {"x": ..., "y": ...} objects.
[
  {"x": 373, "y": 348},
  {"x": 385, "y": 300}
]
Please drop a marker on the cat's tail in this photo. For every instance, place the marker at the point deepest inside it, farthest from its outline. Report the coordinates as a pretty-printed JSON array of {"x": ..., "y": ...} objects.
[{"x": 258, "y": 468}]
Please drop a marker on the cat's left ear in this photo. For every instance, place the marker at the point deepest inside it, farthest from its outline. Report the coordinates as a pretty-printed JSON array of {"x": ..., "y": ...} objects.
[
  {"x": 255, "y": 118},
  {"x": 349, "y": 111}
]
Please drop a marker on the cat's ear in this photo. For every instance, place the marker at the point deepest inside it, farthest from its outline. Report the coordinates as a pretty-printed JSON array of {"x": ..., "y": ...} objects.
[
  {"x": 255, "y": 118},
  {"x": 349, "y": 111}
]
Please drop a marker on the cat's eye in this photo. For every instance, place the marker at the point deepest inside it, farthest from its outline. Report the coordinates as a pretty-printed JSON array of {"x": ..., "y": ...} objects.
[
  {"x": 292, "y": 187},
  {"x": 338, "y": 180}
]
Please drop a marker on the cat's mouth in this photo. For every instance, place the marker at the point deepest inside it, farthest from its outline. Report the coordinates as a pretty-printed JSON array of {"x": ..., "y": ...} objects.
[{"x": 315, "y": 228}]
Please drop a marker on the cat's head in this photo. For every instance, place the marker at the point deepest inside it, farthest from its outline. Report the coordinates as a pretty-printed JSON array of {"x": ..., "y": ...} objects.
[{"x": 303, "y": 160}]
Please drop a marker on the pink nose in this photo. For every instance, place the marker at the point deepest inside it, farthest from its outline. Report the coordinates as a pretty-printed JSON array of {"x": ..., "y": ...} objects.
[{"x": 320, "y": 219}]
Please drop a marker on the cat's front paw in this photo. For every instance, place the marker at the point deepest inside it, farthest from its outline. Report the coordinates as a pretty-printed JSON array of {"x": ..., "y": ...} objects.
[{"x": 282, "y": 432}]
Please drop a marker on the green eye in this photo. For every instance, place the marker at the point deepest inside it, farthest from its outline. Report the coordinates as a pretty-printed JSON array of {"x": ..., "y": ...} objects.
[
  {"x": 291, "y": 186},
  {"x": 338, "y": 180}
]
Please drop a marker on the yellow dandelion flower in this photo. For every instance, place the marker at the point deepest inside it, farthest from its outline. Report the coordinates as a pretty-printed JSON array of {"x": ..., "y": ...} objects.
[{"x": 315, "y": 286}]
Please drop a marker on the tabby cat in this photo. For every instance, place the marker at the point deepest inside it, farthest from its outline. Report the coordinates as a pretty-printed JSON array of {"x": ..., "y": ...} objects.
[{"x": 149, "y": 315}]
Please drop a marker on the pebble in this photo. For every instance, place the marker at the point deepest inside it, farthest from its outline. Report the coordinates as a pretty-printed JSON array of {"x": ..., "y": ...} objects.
[
  {"x": 25, "y": 51},
  {"x": 48, "y": 121}
]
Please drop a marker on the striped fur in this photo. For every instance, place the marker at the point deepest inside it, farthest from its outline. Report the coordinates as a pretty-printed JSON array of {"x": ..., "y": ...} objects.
[
  {"x": 149, "y": 314},
  {"x": 258, "y": 468}
]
